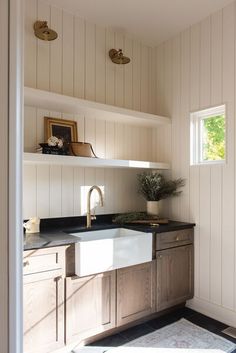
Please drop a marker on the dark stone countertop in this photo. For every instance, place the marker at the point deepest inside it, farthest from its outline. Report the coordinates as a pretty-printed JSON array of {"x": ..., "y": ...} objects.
[{"x": 59, "y": 236}]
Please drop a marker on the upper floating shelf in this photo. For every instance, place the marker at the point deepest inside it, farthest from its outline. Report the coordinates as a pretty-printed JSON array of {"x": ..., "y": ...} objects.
[
  {"x": 38, "y": 158},
  {"x": 66, "y": 104}
]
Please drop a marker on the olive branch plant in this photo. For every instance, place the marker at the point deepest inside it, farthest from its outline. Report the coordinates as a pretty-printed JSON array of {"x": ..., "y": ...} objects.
[{"x": 154, "y": 186}]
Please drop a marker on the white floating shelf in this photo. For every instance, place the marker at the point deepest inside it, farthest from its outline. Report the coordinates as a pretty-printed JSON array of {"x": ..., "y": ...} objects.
[
  {"x": 65, "y": 104},
  {"x": 38, "y": 158}
]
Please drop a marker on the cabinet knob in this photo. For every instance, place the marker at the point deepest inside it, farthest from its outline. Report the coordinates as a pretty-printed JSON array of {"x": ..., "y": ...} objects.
[
  {"x": 159, "y": 257},
  {"x": 25, "y": 263},
  {"x": 177, "y": 238}
]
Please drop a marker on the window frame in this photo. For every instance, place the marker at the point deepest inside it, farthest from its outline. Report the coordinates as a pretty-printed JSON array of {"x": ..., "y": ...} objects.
[{"x": 196, "y": 142}]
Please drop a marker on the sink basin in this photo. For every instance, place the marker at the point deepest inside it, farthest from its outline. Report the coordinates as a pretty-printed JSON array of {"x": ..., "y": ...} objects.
[{"x": 109, "y": 249}]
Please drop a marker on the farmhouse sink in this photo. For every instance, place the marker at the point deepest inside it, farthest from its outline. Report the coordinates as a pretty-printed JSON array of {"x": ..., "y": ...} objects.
[{"x": 110, "y": 249}]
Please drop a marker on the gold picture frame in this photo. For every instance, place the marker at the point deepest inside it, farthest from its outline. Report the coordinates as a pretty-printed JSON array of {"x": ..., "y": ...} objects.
[{"x": 61, "y": 128}]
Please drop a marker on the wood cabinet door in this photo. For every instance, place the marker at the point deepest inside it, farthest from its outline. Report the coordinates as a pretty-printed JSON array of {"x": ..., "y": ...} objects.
[
  {"x": 90, "y": 305},
  {"x": 43, "y": 295},
  {"x": 174, "y": 276},
  {"x": 135, "y": 292}
]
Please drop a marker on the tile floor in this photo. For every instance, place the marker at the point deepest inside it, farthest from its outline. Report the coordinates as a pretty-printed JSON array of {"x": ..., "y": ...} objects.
[{"x": 140, "y": 330}]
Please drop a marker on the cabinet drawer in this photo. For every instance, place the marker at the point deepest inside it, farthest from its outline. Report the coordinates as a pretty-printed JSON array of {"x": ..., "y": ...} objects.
[
  {"x": 173, "y": 239},
  {"x": 35, "y": 261}
]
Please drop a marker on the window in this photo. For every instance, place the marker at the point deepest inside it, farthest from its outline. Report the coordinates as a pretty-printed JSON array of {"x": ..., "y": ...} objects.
[{"x": 207, "y": 136}]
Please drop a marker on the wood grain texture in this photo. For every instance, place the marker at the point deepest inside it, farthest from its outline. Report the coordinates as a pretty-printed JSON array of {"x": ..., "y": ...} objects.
[
  {"x": 44, "y": 328},
  {"x": 135, "y": 292},
  {"x": 90, "y": 305},
  {"x": 174, "y": 276},
  {"x": 44, "y": 272}
]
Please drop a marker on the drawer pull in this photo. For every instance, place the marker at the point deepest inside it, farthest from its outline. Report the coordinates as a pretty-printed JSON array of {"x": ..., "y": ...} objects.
[{"x": 25, "y": 263}]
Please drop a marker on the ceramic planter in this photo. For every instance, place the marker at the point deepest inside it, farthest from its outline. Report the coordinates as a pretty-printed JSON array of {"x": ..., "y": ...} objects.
[{"x": 153, "y": 208}]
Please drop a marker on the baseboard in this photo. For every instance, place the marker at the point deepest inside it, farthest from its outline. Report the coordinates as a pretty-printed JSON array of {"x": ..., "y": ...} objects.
[{"x": 214, "y": 311}]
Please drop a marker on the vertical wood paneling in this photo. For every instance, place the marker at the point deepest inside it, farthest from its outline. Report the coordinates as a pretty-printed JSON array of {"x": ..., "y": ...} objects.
[
  {"x": 100, "y": 145},
  {"x": 128, "y": 74},
  {"x": 194, "y": 171},
  {"x": 78, "y": 64},
  {"x": 205, "y": 63},
  {"x": 136, "y": 75},
  {"x": 90, "y": 57},
  {"x": 100, "y": 69},
  {"x": 203, "y": 71},
  {"x": 215, "y": 251},
  {"x": 43, "y": 50},
  {"x": 160, "y": 78},
  {"x": 119, "y": 74},
  {"x": 67, "y": 191},
  {"x": 43, "y": 191},
  {"x": 30, "y": 43},
  {"x": 79, "y": 58},
  {"x": 56, "y": 52},
  {"x": 205, "y": 232},
  {"x": 30, "y": 131},
  {"x": 30, "y": 192},
  {"x": 78, "y": 190},
  {"x": 176, "y": 152},
  {"x": 55, "y": 191},
  {"x": 228, "y": 231},
  {"x": 110, "y": 139},
  {"x": 67, "y": 54},
  {"x": 109, "y": 200},
  {"x": 184, "y": 138},
  {"x": 216, "y": 58},
  {"x": 144, "y": 79},
  {"x": 110, "y": 69},
  {"x": 205, "y": 171},
  {"x": 216, "y": 171}
]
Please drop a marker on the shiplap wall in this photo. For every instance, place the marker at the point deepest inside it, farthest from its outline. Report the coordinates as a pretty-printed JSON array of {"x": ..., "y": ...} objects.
[
  {"x": 77, "y": 64},
  {"x": 194, "y": 70}
]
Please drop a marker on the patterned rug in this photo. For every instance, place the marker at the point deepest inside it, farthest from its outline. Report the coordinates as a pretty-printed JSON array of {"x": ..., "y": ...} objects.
[
  {"x": 180, "y": 337},
  {"x": 183, "y": 334}
]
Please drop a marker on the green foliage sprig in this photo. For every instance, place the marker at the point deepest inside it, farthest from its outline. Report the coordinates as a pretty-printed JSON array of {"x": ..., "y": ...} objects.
[{"x": 154, "y": 187}]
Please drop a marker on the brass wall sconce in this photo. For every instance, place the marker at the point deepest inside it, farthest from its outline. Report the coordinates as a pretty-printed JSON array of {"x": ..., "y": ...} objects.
[
  {"x": 42, "y": 31},
  {"x": 117, "y": 57}
]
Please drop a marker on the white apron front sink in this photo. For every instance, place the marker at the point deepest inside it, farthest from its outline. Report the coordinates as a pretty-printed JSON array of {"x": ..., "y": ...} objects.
[{"x": 109, "y": 249}]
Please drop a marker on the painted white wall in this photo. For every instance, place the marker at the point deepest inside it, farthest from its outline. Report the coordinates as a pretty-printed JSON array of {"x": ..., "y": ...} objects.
[
  {"x": 195, "y": 70},
  {"x": 11, "y": 35},
  {"x": 77, "y": 64},
  {"x": 4, "y": 253}
]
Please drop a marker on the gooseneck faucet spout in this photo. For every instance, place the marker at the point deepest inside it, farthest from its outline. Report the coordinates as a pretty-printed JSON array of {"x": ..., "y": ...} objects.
[{"x": 89, "y": 216}]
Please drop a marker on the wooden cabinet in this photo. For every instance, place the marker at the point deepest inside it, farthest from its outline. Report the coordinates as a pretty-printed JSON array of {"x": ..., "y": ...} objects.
[
  {"x": 135, "y": 292},
  {"x": 60, "y": 309},
  {"x": 90, "y": 305},
  {"x": 43, "y": 300},
  {"x": 174, "y": 276},
  {"x": 43, "y": 311}
]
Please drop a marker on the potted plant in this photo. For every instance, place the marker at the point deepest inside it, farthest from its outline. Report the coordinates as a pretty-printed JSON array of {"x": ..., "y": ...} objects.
[{"x": 154, "y": 187}]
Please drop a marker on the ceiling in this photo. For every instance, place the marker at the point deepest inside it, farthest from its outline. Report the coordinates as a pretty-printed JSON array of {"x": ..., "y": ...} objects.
[{"x": 151, "y": 21}]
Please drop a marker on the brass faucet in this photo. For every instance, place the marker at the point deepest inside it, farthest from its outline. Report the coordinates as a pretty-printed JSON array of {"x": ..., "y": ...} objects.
[{"x": 89, "y": 216}]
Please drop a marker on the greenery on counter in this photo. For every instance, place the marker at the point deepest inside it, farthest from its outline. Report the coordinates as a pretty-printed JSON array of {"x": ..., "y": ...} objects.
[
  {"x": 154, "y": 186},
  {"x": 131, "y": 217}
]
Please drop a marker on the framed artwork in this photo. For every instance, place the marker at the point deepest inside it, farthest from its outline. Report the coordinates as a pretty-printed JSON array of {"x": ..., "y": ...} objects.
[{"x": 61, "y": 128}]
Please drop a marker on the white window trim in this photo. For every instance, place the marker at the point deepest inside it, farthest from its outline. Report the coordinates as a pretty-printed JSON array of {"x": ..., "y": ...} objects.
[{"x": 195, "y": 136}]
